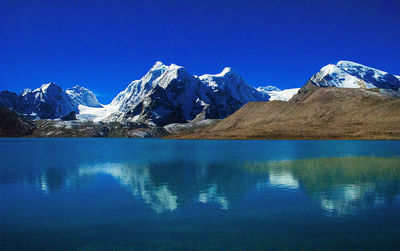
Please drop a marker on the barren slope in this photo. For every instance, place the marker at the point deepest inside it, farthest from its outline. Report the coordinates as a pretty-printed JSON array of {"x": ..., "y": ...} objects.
[{"x": 316, "y": 113}]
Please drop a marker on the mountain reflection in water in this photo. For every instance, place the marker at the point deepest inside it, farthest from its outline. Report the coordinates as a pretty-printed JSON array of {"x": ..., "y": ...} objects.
[{"x": 341, "y": 186}]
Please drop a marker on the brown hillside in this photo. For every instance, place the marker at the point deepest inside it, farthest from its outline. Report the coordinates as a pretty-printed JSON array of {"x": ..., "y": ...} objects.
[{"x": 315, "y": 113}]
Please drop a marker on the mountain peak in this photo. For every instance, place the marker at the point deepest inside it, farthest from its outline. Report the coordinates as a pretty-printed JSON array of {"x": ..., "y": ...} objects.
[
  {"x": 170, "y": 94},
  {"x": 83, "y": 96},
  {"x": 348, "y": 74},
  {"x": 327, "y": 69},
  {"x": 160, "y": 65},
  {"x": 226, "y": 71},
  {"x": 78, "y": 88},
  {"x": 346, "y": 62},
  {"x": 48, "y": 86},
  {"x": 46, "y": 102}
]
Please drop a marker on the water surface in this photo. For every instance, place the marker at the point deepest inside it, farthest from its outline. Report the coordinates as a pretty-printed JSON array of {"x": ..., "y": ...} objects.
[{"x": 119, "y": 194}]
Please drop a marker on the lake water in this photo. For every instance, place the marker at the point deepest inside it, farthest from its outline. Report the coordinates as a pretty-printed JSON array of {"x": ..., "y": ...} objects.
[{"x": 122, "y": 194}]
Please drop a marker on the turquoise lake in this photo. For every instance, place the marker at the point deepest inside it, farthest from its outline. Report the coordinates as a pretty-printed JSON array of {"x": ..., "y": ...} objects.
[{"x": 139, "y": 194}]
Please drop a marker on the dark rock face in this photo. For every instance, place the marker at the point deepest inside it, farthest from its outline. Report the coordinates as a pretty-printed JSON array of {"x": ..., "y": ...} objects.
[
  {"x": 13, "y": 124},
  {"x": 10, "y": 100},
  {"x": 160, "y": 109},
  {"x": 304, "y": 92},
  {"x": 69, "y": 116},
  {"x": 54, "y": 128}
]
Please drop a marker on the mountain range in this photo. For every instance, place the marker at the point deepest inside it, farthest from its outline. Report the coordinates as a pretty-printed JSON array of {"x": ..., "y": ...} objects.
[
  {"x": 342, "y": 101},
  {"x": 169, "y": 95},
  {"x": 166, "y": 94}
]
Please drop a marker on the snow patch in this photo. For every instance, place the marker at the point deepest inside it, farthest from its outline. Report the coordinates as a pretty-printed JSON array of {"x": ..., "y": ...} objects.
[
  {"x": 277, "y": 94},
  {"x": 95, "y": 114}
]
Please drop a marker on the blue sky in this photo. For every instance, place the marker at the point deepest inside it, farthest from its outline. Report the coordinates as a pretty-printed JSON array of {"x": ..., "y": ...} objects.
[{"x": 105, "y": 44}]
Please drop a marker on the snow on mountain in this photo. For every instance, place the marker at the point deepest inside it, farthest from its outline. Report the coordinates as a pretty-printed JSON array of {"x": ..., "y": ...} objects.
[
  {"x": 169, "y": 94},
  {"x": 348, "y": 74},
  {"x": 164, "y": 95},
  {"x": 83, "y": 96},
  {"x": 278, "y": 94},
  {"x": 137, "y": 89},
  {"x": 25, "y": 91},
  {"x": 228, "y": 81},
  {"x": 97, "y": 114},
  {"x": 268, "y": 88},
  {"x": 47, "y": 102}
]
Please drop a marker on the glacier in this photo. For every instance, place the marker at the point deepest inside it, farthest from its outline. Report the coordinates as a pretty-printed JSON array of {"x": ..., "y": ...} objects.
[{"x": 277, "y": 94}]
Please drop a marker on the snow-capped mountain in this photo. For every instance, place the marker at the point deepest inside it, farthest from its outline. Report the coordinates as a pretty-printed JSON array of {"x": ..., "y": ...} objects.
[
  {"x": 277, "y": 94},
  {"x": 348, "y": 74},
  {"x": 231, "y": 83},
  {"x": 47, "y": 102},
  {"x": 83, "y": 96},
  {"x": 169, "y": 94}
]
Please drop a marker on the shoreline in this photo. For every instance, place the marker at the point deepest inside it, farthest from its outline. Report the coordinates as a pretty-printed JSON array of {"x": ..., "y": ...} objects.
[{"x": 183, "y": 138}]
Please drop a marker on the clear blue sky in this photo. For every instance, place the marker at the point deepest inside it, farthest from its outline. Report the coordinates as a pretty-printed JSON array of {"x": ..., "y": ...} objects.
[{"x": 104, "y": 45}]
